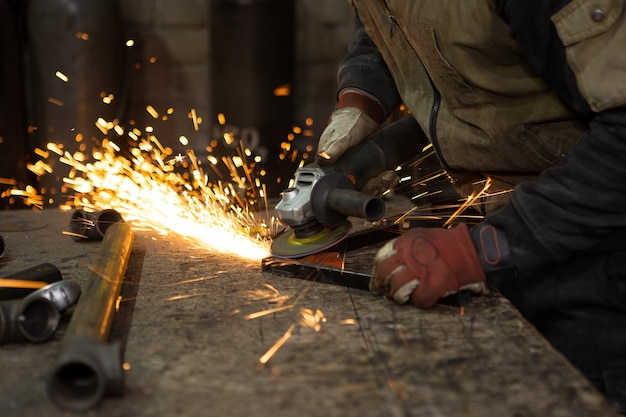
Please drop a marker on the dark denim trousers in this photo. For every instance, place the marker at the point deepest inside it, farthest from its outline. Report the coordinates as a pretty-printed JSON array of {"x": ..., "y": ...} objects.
[{"x": 580, "y": 307}]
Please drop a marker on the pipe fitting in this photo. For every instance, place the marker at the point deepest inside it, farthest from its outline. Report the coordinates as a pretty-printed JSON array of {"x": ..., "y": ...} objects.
[
  {"x": 63, "y": 294},
  {"x": 32, "y": 319},
  {"x": 91, "y": 226},
  {"x": 87, "y": 370}
]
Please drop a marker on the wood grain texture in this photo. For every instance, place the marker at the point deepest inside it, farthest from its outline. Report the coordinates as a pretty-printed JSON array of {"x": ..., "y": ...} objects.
[{"x": 192, "y": 351}]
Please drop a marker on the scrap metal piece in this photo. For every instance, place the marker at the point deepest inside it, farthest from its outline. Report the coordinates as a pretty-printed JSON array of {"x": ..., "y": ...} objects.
[
  {"x": 88, "y": 367},
  {"x": 325, "y": 273}
]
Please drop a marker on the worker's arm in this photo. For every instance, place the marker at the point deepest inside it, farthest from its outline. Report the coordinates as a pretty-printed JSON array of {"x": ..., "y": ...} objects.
[
  {"x": 366, "y": 97},
  {"x": 573, "y": 207}
]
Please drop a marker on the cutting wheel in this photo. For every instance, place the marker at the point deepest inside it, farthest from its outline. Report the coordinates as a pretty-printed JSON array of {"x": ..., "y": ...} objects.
[{"x": 287, "y": 245}]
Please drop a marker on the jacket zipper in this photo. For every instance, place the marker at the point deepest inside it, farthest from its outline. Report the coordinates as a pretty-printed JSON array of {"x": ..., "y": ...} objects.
[
  {"x": 392, "y": 19},
  {"x": 432, "y": 123}
]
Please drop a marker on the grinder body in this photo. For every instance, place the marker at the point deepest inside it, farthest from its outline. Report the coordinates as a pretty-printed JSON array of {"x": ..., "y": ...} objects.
[{"x": 325, "y": 195}]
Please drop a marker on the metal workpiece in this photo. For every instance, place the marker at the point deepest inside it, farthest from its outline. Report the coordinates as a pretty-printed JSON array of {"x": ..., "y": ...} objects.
[
  {"x": 31, "y": 319},
  {"x": 44, "y": 273},
  {"x": 91, "y": 226},
  {"x": 88, "y": 367}
]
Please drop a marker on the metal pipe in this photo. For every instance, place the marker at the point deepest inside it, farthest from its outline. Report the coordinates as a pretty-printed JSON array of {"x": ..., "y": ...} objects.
[
  {"x": 89, "y": 367},
  {"x": 45, "y": 273}
]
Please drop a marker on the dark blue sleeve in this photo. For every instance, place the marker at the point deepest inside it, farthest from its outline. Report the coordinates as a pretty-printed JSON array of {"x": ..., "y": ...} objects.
[{"x": 364, "y": 68}]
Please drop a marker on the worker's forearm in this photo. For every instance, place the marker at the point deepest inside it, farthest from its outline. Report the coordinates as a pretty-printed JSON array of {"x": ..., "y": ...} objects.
[{"x": 575, "y": 205}]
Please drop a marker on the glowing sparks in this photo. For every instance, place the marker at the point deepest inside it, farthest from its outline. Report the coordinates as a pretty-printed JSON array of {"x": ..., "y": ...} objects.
[
  {"x": 166, "y": 193},
  {"x": 279, "y": 343},
  {"x": 312, "y": 319},
  {"x": 471, "y": 199},
  {"x": 282, "y": 91},
  {"x": 55, "y": 101},
  {"x": 150, "y": 190},
  {"x": 195, "y": 119},
  {"x": 152, "y": 112},
  {"x": 20, "y": 283},
  {"x": 62, "y": 76}
]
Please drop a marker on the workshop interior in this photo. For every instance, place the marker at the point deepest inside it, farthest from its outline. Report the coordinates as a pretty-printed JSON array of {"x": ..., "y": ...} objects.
[{"x": 169, "y": 245}]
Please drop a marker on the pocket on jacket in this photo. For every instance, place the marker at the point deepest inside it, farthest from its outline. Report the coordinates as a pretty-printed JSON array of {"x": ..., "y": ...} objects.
[
  {"x": 540, "y": 146},
  {"x": 594, "y": 33}
]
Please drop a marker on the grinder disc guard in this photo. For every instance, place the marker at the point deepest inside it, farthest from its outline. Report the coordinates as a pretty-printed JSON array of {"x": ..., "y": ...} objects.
[{"x": 287, "y": 245}]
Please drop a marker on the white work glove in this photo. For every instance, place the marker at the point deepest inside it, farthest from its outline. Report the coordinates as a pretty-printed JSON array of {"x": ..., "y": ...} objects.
[{"x": 347, "y": 128}]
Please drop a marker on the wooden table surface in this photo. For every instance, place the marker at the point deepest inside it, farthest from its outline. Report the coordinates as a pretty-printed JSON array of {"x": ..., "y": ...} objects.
[{"x": 193, "y": 346}]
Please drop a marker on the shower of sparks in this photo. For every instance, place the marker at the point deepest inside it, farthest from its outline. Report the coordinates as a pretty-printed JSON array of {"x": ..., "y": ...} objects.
[{"x": 170, "y": 194}]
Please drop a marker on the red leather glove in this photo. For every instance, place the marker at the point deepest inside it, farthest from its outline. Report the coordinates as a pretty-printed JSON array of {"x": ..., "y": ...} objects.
[{"x": 424, "y": 265}]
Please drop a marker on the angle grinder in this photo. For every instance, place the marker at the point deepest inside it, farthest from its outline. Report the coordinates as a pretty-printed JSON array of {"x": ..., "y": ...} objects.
[{"x": 316, "y": 208}]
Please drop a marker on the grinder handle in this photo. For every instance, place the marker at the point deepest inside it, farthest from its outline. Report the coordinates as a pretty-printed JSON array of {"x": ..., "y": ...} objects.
[{"x": 389, "y": 147}]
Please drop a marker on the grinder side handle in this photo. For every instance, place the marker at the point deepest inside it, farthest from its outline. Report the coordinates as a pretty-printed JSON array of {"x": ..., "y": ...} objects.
[{"x": 389, "y": 147}]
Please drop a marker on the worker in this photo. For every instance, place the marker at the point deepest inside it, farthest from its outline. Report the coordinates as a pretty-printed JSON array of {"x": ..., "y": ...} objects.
[{"x": 527, "y": 95}]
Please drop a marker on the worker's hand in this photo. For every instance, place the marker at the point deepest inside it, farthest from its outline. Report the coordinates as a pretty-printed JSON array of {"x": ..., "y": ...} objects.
[
  {"x": 347, "y": 128},
  {"x": 424, "y": 265},
  {"x": 358, "y": 115}
]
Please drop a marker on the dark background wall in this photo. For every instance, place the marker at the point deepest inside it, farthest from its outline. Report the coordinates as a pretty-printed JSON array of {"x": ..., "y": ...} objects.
[{"x": 172, "y": 66}]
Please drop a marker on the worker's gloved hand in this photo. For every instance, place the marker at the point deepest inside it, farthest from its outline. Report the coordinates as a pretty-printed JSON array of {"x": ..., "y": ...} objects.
[
  {"x": 424, "y": 265},
  {"x": 357, "y": 116}
]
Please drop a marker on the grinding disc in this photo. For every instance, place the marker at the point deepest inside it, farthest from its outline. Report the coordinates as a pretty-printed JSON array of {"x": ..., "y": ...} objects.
[{"x": 287, "y": 245}]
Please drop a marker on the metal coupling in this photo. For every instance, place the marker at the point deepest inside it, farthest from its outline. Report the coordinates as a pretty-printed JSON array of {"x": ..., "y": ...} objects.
[{"x": 91, "y": 226}]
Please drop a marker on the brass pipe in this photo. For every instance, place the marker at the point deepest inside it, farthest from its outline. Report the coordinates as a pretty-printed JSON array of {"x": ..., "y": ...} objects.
[{"x": 88, "y": 366}]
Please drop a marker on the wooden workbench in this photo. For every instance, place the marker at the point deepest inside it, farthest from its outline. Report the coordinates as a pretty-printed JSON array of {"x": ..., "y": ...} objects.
[{"x": 191, "y": 350}]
